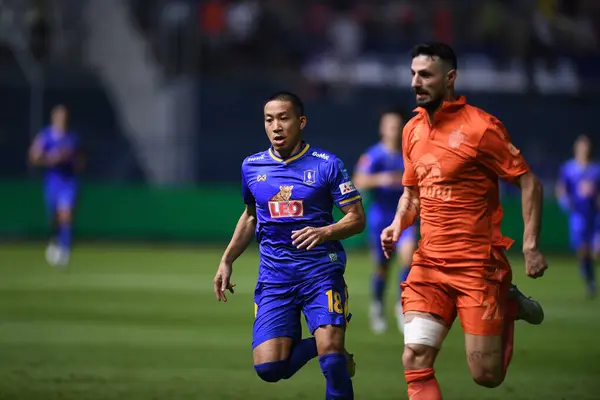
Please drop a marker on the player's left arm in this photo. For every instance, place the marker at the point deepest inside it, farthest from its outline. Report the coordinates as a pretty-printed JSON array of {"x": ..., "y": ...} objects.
[
  {"x": 347, "y": 198},
  {"x": 497, "y": 153}
]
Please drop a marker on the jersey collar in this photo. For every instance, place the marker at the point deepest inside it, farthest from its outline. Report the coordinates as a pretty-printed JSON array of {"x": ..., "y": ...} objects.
[
  {"x": 303, "y": 150},
  {"x": 447, "y": 106}
]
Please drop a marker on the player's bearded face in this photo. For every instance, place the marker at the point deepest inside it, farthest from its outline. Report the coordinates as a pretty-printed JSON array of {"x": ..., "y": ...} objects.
[
  {"x": 429, "y": 81},
  {"x": 283, "y": 126}
]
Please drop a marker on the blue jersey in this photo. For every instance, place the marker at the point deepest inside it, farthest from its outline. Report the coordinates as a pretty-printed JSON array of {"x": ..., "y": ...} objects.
[
  {"x": 380, "y": 159},
  {"x": 582, "y": 186},
  {"x": 52, "y": 142},
  {"x": 292, "y": 194}
]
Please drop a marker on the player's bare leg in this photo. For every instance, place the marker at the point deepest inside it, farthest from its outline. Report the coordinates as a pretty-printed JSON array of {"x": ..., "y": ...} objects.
[
  {"x": 52, "y": 248},
  {"x": 487, "y": 358},
  {"x": 424, "y": 334},
  {"x": 334, "y": 360},
  {"x": 407, "y": 249}
]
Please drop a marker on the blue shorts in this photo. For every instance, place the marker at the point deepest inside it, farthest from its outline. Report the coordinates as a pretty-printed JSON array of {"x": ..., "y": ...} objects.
[
  {"x": 60, "y": 195},
  {"x": 584, "y": 231},
  {"x": 377, "y": 222},
  {"x": 277, "y": 307}
]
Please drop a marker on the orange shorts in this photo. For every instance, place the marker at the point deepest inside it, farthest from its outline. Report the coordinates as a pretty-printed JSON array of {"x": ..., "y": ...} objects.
[{"x": 477, "y": 294}]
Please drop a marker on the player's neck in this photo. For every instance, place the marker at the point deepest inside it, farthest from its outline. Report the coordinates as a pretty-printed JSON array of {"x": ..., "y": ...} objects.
[
  {"x": 583, "y": 161},
  {"x": 435, "y": 107},
  {"x": 287, "y": 154},
  {"x": 391, "y": 146}
]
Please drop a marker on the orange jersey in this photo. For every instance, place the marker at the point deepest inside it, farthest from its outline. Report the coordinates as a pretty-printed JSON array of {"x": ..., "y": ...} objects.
[{"x": 456, "y": 161}]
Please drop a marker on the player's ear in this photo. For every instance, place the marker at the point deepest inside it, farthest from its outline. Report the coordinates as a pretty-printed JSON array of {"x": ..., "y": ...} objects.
[
  {"x": 302, "y": 122},
  {"x": 451, "y": 77}
]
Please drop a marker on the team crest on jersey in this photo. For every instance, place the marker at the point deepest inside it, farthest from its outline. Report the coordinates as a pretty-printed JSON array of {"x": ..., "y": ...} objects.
[
  {"x": 309, "y": 177},
  {"x": 455, "y": 139},
  {"x": 261, "y": 178},
  {"x": 282, "y": 206}
]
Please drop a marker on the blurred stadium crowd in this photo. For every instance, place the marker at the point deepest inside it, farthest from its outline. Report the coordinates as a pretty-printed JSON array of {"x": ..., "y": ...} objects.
[{"x": 227, "y": 35}]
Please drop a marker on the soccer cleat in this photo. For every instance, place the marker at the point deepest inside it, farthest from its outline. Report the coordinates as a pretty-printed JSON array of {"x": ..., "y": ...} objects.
[
  {"x": 350, "y": 364},
  {"x": 530, "y": 310},
  {"x": 378, "y": 322},
  {"x": 400, "y": 317}
]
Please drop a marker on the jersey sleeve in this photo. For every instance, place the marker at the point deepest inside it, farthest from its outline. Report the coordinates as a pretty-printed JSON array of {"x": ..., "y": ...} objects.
[
  {"x": 408, "y": 176},
  {"x": 496, "y": 152},
  {"x": 341, "y": 187},
  {"x": 246, "y": 193}
]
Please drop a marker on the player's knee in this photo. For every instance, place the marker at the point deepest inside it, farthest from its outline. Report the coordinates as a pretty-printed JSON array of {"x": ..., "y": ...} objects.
[
  {"x": 422, "y": 340},
  {"x": 488, "y": 378},
  {"x": 272, "y": 371},
  {"x": 330, "y": 339},
  {"x": 418, "y": 356},
  {"x": 64, "y": 216}
]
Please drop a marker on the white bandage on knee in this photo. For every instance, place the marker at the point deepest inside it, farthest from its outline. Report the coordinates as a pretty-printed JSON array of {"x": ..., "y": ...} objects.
[{"x": 425, "y": 331}]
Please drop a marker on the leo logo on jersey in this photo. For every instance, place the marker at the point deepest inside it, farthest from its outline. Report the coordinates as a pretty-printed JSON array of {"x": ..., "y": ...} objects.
[{"x": 282, "y": 206}]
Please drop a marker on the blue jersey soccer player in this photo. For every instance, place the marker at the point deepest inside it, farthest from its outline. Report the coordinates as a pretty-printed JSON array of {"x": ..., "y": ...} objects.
[
  {"x": 56, "y": 149},
  {"x": 578, "y": 192},
  {"x": 380, "y": 171},
  {"x": 289, "y": 191}
]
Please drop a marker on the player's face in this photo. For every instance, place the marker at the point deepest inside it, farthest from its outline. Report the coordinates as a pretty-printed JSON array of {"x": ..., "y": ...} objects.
[
  {"x": 583, "y": 148},
  {"x": 59, "y": 117},
  {"x": 283, "y": 126},
  {"x": 390, "y": 128},
  {"x": 431, "y": 80}
]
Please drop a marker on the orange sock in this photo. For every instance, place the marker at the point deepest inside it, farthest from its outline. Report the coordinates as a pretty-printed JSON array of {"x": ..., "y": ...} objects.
[
  {"x": 508, "y": 335},
  {"x": 422, "y": 385}
]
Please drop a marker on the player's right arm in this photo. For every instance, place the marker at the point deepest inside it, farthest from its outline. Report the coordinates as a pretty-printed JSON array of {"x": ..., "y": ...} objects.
[
  {"x": 366, "y": 178},
  {"x": 242, "y": 236},
  {"x": 408, "y": 209}
]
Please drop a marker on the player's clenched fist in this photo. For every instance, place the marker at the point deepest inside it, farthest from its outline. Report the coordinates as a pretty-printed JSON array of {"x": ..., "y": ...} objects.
[
  {"x": 535, "y": 263},
  {"x": 389, "y": 238},
  {"x": 221, "y": 281}
]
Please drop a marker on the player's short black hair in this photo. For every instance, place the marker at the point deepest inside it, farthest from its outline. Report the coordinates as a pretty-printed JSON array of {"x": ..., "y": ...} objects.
[
  {"x": 436, "y": 49},
  {"x": 399, "y": 111},
  {"x": 288, "y": 96}
]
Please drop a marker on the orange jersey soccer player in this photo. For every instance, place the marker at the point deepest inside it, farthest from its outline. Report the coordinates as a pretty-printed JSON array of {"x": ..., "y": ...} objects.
[{"x": 454, "y": 154}]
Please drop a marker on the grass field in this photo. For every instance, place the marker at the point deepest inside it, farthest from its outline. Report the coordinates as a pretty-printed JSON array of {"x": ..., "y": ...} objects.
[{"x": 142, "y": 323}]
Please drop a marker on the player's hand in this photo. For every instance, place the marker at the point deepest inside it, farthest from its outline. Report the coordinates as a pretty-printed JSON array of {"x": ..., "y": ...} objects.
[
  {"x": 535, "y": 263},
  {"x": 308, "y": 237},
  {"x": 222, "y": 281},
  {"x": 389, "y": 238}
]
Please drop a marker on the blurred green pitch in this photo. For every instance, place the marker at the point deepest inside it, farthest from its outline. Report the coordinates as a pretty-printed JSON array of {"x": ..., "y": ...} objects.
[{"x": 141, "y": 322}]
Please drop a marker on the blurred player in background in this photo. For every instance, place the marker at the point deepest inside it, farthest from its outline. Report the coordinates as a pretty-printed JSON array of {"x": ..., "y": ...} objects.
[
  {"x": 290, "y": 191},
  {"x": 578, "y": 192},
  {"x": 454, "y": 154},
  {"x": 380, "y": 171},
  {"x": 56, "y": 149}
]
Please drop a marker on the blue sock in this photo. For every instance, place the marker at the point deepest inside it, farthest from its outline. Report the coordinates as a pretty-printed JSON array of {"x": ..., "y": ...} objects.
[
  {"x": 275, "y": 371},
  {"x": 64, "y": 236},
  {"x": 272, "y": 371},
  {"x": 302, "y": 353},
  {"x": 378, "y": 286},
  {"x": 338, "y": 382},
  {"x": 587, "y": 271}
]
